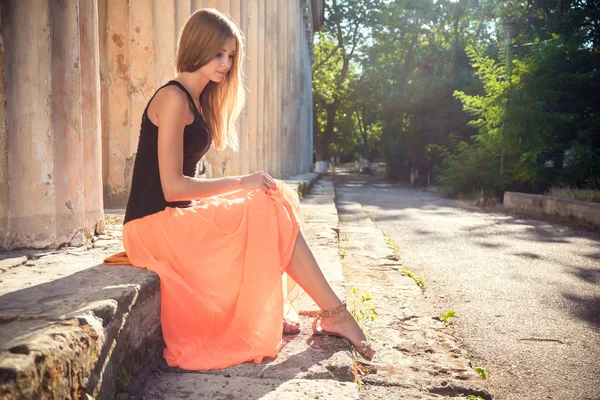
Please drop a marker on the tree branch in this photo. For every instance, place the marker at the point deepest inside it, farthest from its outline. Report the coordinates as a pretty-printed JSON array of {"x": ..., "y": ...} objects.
[{"x": 326, "y": 58}]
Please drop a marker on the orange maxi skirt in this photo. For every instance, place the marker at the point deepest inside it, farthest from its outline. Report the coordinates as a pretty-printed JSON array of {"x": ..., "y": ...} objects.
[{"x": 221, "y": 263}]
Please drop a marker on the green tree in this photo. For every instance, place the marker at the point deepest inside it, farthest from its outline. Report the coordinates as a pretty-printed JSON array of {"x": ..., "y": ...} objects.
[
  {"x": 425, "y": 81},
  {"x": 346, "y": 27}
]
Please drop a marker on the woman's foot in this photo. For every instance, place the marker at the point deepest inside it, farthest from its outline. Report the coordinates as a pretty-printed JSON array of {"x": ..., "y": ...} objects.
[
  {"x": 290, "y": 328},
  {"x": 340, "y": 322}
]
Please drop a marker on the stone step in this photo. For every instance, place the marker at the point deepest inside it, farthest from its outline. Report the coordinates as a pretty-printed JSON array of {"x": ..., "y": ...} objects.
[
  {"x": 197, "y": 386},
  {"x": 303, "y": 358},
  {"x": 307, "y": 367},
  {"x": 71, "y": 326}
]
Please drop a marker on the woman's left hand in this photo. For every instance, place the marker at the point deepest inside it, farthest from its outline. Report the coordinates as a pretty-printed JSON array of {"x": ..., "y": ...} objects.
[{"x": 258, "y": 180}]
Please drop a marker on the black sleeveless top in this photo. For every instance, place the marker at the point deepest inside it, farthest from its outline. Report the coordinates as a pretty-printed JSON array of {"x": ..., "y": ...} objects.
[{"x": 146, "y": 196}]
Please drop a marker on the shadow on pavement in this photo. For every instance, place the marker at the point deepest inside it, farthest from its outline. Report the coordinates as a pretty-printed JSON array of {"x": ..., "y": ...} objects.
[
  {"x": 589, "y": 275},
  {"x": 585, "y": 308},
  {"x": 382, "y": 195}
]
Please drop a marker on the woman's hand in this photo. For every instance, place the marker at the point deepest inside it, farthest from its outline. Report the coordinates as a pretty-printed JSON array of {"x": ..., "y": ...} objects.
[{"x": 258, "y": 180}]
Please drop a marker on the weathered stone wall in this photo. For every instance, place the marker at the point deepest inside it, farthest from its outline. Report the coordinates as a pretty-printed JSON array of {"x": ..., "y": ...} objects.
[
  {"x": 50, "y": 187},
  {"x": 137, "y": 52},
  {"x": 75, "y": 77}
]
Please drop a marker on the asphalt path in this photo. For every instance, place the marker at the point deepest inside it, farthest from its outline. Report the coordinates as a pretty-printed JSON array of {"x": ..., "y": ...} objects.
[{"x": 526, "y": 293}]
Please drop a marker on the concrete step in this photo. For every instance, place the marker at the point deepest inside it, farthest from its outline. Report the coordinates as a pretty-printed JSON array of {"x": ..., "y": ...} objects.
[
  {"x": 71, "y": 326},
  {"x": 307, "y": 367}
]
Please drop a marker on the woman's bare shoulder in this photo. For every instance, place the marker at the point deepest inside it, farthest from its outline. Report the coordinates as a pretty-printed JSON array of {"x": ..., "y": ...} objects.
[{"x": 171, "y": 100}]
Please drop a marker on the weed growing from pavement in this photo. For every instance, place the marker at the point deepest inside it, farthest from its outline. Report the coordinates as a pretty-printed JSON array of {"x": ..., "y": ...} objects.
[
  {"x": 344, "y": 219},
  {"x": 392, "y": 245},
  {"x": 342, "y": 252},
  {"x": 420, "y": 282},
  {"x": 482, "y": 372},
  {"x": 360, "y": 309},
  {"x": 471, "y": 397},
  {"x": 447, "y": 317}
]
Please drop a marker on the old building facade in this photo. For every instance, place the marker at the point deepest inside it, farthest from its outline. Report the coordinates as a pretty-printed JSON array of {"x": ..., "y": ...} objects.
[{"x": 76, "y": 75}]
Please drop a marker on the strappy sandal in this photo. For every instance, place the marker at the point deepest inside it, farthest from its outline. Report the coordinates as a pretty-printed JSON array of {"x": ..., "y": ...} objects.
[{"x": 362, "y": 349}]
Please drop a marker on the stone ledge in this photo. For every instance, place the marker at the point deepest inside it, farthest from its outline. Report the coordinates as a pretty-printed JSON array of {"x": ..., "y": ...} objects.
[
  {"x": 302, "y": 182},
  {"x": 70, "y": 326},
  {"x": 75, "y": 335},
  {"x": 533, "y": 205}
]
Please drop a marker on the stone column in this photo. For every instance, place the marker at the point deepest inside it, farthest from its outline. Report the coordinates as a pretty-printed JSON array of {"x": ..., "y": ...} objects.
[
  {"x": 296, "y": 132},
  {"x": 260, "y": 77},
  {"x": 31, "y": 201},
  {"x": 269, "y": 83},
  {"x": 165, "y": 40},
  {"x": 272, "y": 47},
  {"x": 239, "y": 160},
  {"x": 220, "y": 162},
  {"x": 252, "y": 72},
  {"x": 284, "y": 80},
  {"x": 117, "y": 157},
  {"x": 4, "y": 227},
  {"x": 183, "y": 10},
  {"x": 142, "y": 62},
  {"x": 197, "y": 4},
  {"x": 304, "y": 60},
  {"x": 90, "y": 101},
  {"x": 66, "y": 115},
  {"x": 47, "y": 170}
]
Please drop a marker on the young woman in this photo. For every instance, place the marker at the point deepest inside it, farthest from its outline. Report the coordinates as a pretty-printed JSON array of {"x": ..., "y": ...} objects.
[{"x": 220, "y": 246}]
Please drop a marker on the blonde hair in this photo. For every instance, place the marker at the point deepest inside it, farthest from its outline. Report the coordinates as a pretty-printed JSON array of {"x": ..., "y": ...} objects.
[{"x": 201, "y": 40}]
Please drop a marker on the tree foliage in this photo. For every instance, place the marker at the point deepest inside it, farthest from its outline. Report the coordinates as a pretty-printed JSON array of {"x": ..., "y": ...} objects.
[
  {"x": 335, "y": 70},
  {"x": 426, "y": 85}
]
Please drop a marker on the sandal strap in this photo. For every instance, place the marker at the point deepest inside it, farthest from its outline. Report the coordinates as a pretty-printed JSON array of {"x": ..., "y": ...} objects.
[{"x": 333, "y": 311}]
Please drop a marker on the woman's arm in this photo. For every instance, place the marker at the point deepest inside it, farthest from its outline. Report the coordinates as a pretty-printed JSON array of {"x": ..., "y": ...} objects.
[{"x": 172, "y": 113}]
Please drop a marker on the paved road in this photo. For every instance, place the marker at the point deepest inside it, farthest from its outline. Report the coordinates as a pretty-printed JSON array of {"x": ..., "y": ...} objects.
[{"x": 526, "y": 293}]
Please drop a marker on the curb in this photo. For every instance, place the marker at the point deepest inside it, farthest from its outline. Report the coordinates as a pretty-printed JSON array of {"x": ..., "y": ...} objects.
[{"x": 417, "y": 358}]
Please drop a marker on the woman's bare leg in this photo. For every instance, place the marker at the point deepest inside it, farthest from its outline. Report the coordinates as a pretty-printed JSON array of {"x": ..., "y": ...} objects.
[{"x": 305, "y": 271}]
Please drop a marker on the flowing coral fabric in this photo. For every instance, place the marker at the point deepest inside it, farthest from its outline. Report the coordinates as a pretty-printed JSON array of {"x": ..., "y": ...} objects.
[{"x": 220, "y": 264}]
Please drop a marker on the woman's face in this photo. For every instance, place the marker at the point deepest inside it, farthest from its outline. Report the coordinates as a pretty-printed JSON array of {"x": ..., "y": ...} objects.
[{"x": 217, "y": 69}]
